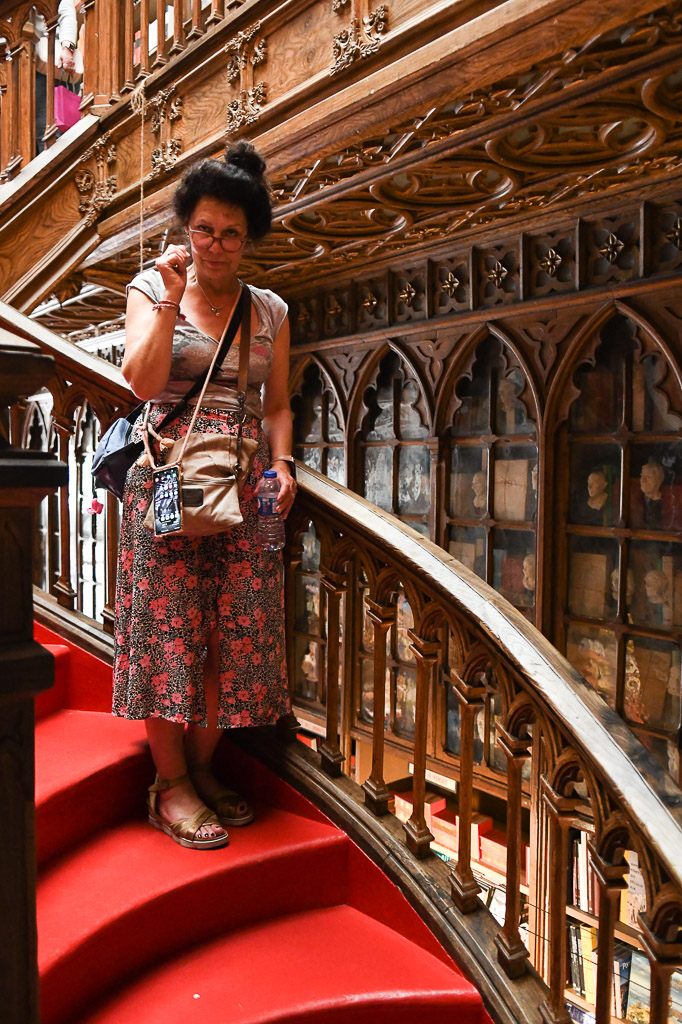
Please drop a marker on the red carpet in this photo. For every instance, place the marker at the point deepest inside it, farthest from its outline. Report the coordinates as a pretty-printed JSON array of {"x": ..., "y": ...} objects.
[{"x": 290, "y": 922}]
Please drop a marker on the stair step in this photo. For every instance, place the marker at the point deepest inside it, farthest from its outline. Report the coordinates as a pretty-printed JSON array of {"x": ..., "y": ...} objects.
[
  {"x": 57, "y": 696},
  {"x": 131, "y": 897},
  {"x": 91, "y": 771},
  {"x": 333, "y": 964}
]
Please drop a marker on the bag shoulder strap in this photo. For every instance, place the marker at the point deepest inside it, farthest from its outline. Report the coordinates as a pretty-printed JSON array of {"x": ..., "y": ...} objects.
[{"x": 226, "y": 339}]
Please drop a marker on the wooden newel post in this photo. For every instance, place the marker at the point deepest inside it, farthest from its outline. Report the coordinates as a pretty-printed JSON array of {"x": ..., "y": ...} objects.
[
  {"x": 330, "y": 752},
  {"x": 511, "y": 950},
  {"x": 26, "y": 669}
]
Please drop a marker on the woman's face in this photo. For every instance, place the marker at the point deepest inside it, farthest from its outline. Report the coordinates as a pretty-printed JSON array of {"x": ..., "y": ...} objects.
[{"x": 224, "y": 220}]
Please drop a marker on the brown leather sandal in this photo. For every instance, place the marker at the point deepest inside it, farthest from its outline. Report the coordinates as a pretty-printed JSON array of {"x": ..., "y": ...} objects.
[
  {"x": 229, "y": 806},
  {"x": 184, "y": 831}
]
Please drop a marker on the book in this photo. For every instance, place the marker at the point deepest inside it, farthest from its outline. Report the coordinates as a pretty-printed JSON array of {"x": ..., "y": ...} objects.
[
  {"x": 579, "y": 1015},
  {"x": 622, "y": 960},
  {"x": 639, "y": 989},
  {"x": 588, "y": 947},
  {"x": 633, "y": 899},
  {"x": 511, "y": 486},
  {"x": 575, "y": 960},
  {"x": 494, "y": 849},
  {"x": 445, "y": 828},
  {"x": 404, "y": 805}
]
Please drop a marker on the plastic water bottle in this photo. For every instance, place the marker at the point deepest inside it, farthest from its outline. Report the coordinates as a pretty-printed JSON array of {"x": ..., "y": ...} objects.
[{"x": 270, "y": 522}]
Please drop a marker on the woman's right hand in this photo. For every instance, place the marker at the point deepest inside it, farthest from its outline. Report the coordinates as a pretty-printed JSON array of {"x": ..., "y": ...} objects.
[{"x": 173, "y": 269}]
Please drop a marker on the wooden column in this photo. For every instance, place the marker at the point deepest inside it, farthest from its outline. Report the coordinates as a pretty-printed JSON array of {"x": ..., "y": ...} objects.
[
  {"x": 144, "y": 69},
  {"x": 511, "y": 950},
  {"x": 26, "y": 668},
  {"x": 382, "y": 618},
  {"x": 128, "y": 46},
  {"x": 90, "y": 69},
  {"x": 330, "y": 751},
  {"x": 464, "y": 888},
  {"x": 561, "y": 816},
  {"x": 108, "y": 53},
  {"x": 611, "y": 884}
]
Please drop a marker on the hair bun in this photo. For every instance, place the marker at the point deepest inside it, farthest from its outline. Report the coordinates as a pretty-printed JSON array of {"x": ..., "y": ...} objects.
[{"x": 244, "y": 155}]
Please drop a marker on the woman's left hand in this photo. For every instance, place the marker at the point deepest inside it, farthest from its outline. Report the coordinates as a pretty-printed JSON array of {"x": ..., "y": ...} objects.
[{"x": 287, "y": 488}]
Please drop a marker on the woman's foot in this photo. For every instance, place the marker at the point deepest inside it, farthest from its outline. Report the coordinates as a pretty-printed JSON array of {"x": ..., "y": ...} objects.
[
  {"x": 177, "y": 809},
  {"x": 230, "y": 807}
]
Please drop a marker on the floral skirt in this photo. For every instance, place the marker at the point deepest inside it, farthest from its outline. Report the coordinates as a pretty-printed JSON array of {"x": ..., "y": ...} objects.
[{"x": 172, "y": 591}]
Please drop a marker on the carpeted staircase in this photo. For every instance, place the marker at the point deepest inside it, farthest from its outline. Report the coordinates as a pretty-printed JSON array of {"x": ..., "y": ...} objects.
[{"x": 290, "y": 922}]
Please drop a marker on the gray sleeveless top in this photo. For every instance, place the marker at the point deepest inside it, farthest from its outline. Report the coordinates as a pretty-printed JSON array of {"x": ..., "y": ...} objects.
[{"x": 193, "y": 350}]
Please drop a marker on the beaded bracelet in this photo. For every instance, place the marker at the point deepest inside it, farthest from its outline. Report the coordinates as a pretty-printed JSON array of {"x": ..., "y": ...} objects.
[{"x": 166, "y": 304}]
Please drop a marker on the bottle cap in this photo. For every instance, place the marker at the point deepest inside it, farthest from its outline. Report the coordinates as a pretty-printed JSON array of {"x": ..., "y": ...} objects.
[{"x": 270, "y": 473}]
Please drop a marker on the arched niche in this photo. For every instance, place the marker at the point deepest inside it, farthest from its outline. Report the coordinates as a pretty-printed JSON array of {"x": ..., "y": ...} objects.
[
  {"x": 319, "y": 423},
  {"x": 396, "y": 450},
  {"x": 489, "y": 445},
  {"x": 617, "y": 495}
]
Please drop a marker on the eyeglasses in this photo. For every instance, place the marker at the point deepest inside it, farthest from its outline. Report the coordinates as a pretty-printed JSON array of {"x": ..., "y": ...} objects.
[{"x": 204, "y": 240}]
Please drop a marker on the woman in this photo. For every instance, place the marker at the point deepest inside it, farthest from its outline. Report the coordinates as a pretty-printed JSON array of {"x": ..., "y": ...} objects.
[{"x": 200, "y": 624}]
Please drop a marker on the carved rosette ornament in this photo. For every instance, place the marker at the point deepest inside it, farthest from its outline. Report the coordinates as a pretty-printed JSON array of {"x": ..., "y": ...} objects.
[
  {"x": 166, "y": 110},
  {"x": 97, "y": 188},
  {"x": 362, "y": 37},
  {"x": 246, "y": 52}
]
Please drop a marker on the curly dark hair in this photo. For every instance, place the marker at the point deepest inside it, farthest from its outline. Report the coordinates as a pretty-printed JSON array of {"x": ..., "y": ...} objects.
[{"x": 238, "y": 179}]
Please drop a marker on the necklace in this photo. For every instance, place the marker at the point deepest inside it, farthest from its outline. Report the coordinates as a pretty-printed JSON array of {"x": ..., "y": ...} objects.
[{"x": 216, "y": 310}]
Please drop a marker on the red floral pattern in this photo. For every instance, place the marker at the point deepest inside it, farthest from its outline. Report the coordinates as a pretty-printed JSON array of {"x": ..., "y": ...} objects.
[{"x": 171, "y": 591}]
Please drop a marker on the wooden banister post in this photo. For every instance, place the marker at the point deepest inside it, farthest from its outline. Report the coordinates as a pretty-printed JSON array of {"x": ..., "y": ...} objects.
[
  {"x": 416, "y": 830},
  {"x": 330, "y": 752},
  {"x": 511, "y": 950},
  {"x": 50, "y": 129},
  {"x": 382, "y": 618},
  {"x": 661, "y": 935},
  {"x": 26, "y": 668},
  {"x": 464, "y": 888},
  {"x": 611, "y": 884}
]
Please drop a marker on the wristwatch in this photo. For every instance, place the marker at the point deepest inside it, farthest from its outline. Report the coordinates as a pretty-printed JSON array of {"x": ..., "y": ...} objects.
[{"x": 69, "y": 46}]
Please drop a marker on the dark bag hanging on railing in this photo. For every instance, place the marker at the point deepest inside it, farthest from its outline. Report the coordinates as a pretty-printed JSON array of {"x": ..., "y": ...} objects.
[{"x": 116, "y": 453}]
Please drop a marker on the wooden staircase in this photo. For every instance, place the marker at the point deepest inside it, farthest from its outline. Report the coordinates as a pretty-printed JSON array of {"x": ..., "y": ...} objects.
[{"x": 290, "y": 922}]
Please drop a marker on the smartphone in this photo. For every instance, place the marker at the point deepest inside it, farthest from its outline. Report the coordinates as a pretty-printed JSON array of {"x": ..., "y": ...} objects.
[{"x": 167, "y": 497}]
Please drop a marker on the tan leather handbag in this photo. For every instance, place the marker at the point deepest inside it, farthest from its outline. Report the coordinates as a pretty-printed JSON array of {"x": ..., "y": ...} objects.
[{"x": 214, "y": 466}]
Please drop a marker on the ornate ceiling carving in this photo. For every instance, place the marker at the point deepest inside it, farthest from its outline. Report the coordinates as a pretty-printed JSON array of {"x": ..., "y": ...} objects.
[{"x": 592, "y": 121}]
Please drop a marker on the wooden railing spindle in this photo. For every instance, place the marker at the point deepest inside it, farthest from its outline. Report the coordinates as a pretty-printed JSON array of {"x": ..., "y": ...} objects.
[
  {"x": 377, "y": 795},
  {"x": 330, "y": 752},
  {"x": 50, "y": 129},
  {"x": 426, "y": 653},
  {"x": 128, "y": 47},
  {"x": 196, "y": 30},
  {"x": 464, "y": 888},
  {"x": 216, "y": 14},
  {"x": 161, "y": 44},
  {"x": 178, "y": 27},
  {"x": 112, "y": 533},
  {"x": 511, "y": 950},
  {"x": 144, "y": 69},
  {"x": 611, "y": 884},
  {"x": 63, "y": 588},
  {"x": 561, "y": 815}
]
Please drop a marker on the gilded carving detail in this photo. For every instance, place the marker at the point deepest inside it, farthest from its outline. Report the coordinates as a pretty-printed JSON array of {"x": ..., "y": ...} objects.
[
  {"x": 551, "y": 262},
  {"x": 360, "y": 40},
  {"x": 246, "y": 52},
  {"x": 497, "y": 274},
  {"x": 97, "y": 188},
  {"x": 675, "y": 235},
  {"x": 612, "y": 248}
]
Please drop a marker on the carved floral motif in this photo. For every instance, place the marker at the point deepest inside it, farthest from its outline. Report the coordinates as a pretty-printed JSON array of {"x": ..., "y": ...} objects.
[
  {"x": 97, "y": 188},
  {"x": 360, "y": 40},
  {"x": 246, "y": 51},
  {"x": 166, "y": 109}
]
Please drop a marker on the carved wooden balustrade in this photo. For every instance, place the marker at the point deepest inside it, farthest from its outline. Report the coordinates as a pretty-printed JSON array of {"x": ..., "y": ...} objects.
[
  {"x": 587, "y": 771},
  {"x": 123, "y": 43},
  {"x": 569, "y": 762}
]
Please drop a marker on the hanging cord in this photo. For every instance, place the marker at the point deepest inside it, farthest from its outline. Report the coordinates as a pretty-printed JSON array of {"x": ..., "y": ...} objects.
[{"x": 138, "y": 103}]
